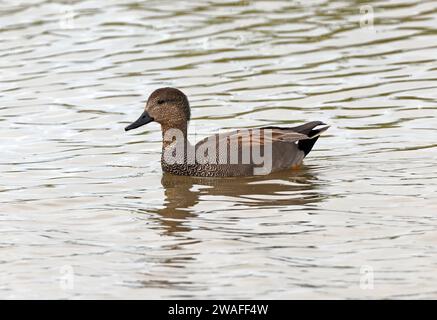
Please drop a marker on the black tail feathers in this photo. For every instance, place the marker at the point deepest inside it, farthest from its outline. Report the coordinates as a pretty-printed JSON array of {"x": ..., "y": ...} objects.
[
  {"x": 307, "y": 144},
  {"x": 308, "y": 129}
]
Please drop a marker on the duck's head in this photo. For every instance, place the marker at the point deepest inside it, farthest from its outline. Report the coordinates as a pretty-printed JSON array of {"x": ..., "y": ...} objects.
[{"x": 167, "y": 106}]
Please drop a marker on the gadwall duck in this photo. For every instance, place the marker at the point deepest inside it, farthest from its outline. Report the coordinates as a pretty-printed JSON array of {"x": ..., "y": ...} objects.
[{"x": 243, "y": 152}]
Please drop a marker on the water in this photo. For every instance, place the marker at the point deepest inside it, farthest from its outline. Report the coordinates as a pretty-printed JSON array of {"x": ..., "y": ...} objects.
[{"x": 86, "y": 212}]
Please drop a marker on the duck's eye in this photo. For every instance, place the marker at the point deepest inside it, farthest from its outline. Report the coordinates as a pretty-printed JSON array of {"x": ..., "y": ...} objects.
[{"x": 161, "y": 101}]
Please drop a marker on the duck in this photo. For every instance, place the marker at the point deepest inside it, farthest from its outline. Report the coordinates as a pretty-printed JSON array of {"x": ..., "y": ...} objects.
[{"x": 237, "y": 153}]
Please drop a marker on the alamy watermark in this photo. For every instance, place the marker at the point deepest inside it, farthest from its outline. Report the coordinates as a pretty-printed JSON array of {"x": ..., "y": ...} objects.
[
  {"x": 66, "y": 279},
  {"x": 366, "y": 277},
  {"x": 367, "y": 18},
  {"x": 245, "y": 147},
  {"x": 67, "y": 17}
]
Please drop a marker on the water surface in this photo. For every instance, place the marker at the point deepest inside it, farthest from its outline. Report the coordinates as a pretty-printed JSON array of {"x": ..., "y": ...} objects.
[{"x": 86, "y": 212}]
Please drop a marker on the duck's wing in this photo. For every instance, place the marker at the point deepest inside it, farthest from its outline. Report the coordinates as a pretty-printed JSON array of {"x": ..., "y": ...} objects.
[
  {"x": 248, "y": 137},
  {"x": 285, "y": 147},
  {"x": 242, "y": 152},
  {"x": 308, "y": 129},
  {"x": 304, "y": 136}
]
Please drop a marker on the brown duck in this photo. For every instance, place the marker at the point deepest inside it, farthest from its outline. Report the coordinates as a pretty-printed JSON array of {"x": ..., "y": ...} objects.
[{"x": 243, "y": 152}]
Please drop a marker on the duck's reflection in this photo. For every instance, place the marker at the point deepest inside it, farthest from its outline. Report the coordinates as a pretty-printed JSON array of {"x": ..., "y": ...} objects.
[{"x": 278, "y": 190}]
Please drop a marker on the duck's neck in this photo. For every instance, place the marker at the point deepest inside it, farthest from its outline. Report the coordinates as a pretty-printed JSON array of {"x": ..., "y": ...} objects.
[
  {"x": 174, "y": 148},
  {"x": 172, "y": 132}
]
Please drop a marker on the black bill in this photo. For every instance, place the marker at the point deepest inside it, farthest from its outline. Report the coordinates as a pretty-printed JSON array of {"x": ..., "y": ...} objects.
[{"x": 145, "y": 118}]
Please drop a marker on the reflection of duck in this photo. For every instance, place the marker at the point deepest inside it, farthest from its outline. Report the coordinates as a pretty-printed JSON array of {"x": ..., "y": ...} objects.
[{"x": 282, "y": 189}]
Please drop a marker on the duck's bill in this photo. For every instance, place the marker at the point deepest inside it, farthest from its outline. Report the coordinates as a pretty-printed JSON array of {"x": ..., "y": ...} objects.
[{"x": 145, "y": 118}]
